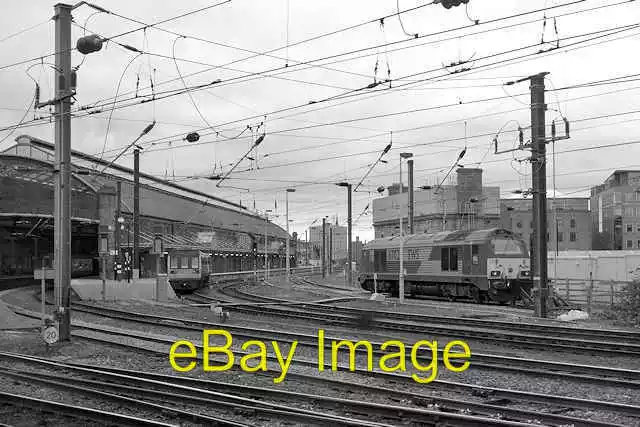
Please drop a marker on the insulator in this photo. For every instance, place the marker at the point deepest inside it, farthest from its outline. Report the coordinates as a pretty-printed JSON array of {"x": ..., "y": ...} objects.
[
  {"x": 553, "y": 129},
  {"x": 73, "y": 80},
  {"x": 89, "y": 44},
  {"x": 259, "y": 140},
  {"x": 566, "y": 127},
  {"x": 37, "y": 97}
]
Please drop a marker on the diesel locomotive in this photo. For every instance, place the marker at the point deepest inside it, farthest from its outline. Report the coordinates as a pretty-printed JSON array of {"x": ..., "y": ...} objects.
[{"x": 481, "y": 265}]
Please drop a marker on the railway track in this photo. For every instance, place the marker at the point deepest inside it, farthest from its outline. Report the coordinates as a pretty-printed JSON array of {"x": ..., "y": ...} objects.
[
  {"x": 557, "y": 403},
  {"x": 620, "y": 343},
  {"x": 166, "y": 387},
  {"x": 531, "y": 327},
  {"x": 566, "y": 371},
  {"x": 550, "y": 402},
  {"x": 80, "y": 414}
]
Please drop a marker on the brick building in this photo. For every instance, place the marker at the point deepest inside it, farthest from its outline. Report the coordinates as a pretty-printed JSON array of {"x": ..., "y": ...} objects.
[
  {"x": 572, "y": 216},
  {"x": 465, "y": 205},
  {"x": 616, "y": 212}
]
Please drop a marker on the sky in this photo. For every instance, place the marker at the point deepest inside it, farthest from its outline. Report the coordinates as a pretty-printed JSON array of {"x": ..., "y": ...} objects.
[{"x": 304, "y": 75}]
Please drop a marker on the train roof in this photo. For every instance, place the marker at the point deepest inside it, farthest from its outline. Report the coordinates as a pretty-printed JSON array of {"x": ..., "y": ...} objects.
[{"x": 439, "y": 239}]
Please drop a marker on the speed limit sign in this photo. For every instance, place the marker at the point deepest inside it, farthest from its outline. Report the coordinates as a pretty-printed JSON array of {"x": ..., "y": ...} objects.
[{"x": 50, "y": 335}]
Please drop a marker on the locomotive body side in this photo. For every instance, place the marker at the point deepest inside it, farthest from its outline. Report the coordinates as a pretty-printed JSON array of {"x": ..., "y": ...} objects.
[{"x": 449, "y": 264}]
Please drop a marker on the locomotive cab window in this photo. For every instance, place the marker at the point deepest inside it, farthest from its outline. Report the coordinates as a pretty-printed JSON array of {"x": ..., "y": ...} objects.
[
  {"x": 173, "y": 262},
  {"x": 475, "y": 252},
  {"x": 507, "y": 247},
  {"x": 195, "y": 261},
  {"x": 449, "y": 259}
]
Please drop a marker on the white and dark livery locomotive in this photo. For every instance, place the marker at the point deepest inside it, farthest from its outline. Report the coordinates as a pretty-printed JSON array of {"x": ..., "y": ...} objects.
[{"x": 490, "y": 264}]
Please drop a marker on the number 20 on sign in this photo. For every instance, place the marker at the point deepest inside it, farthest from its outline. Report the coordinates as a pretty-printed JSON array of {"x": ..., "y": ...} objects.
[{"x": 50, "y": 334}]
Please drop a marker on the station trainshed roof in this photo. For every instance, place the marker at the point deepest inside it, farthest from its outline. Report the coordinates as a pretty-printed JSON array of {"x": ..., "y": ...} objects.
[
  {"x": 442, "y": 238},
  {"x": 185, "y": 205}
]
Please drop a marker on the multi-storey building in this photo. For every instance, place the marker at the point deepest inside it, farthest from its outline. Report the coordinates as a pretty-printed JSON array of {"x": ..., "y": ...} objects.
[
  {"x": 336, "y": 240},
  {"x": 465, "y": 205},
  {"x": 615, "y": 209},
  {"x": 568, "y": 221}
]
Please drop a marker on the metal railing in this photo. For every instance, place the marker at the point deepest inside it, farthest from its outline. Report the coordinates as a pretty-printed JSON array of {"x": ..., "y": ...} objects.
[{"x": 591, "y": 294}]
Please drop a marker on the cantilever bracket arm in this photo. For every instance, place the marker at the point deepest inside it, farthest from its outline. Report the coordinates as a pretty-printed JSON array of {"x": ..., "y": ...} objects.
[{"x": 244, "y": 156}]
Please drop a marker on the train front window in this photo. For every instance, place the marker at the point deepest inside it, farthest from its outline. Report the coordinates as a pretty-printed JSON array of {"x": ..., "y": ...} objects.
[
  {"x": 195, "y": 261},
  {"x": 173, "y": 262},
  {"x": 507, "y": 247},
  {"x": 184, "y": 262}
]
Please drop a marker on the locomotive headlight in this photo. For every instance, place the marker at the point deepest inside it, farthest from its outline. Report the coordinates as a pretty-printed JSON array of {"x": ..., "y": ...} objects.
[{"x": 495, "y": 273}]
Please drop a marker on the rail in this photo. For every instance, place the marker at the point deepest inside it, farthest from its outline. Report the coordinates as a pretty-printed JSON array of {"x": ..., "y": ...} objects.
[{"x": 275, "y": 272}]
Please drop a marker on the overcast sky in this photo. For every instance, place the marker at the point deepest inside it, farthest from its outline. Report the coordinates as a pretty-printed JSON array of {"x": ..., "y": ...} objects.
[{"x": 304, "y": 147}]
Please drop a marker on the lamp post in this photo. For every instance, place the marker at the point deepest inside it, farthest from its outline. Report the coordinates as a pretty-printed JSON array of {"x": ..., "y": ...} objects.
[
  {"x": 266, "y": 259},
  {"x": 289, "y": 190},
  {"x": 401, "y": 255},
  {"x": 349, "y": 231}
]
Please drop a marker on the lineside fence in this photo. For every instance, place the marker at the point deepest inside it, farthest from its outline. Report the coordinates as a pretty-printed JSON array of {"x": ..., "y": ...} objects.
[{"x": 591, "y": 294}]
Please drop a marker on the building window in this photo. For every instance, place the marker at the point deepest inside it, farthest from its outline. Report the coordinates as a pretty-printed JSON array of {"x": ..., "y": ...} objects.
[
  {"x": 547, "y": 236},
  {"x": 638, "y": 227},
  {"x": 629, "y": 228},
  {"x": 572, "y": 236},
  {"x": 560, "y": 236},
  {"x": 449, "y": 259},
  {"x": 475, "y": 252},
  {"x": 629, "y": 244},
  {"x": 573, "y": 223},
  {"x": 638, "y": 244}
]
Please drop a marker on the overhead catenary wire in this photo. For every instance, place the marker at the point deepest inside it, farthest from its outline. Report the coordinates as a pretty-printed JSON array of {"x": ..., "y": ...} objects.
[
  {"x": 289, "y": 69},
  {"x": 356, "y": 93},
  {"x": 404, "y": 112},
  {"x": 205, "y": 85},
  {"x": 106, "y": 134},
  {"x": 115, "y": 36}
]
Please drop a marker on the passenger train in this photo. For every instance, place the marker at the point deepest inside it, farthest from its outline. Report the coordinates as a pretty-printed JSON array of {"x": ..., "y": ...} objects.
[
  {"x": 192, "y": 269},
  {"x": 189, "y": 269},
  {"x": 481, "y": 265}
]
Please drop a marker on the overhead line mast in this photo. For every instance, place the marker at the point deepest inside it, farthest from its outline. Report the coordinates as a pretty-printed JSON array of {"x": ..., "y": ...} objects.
[{"x": 538, "y": 148}]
